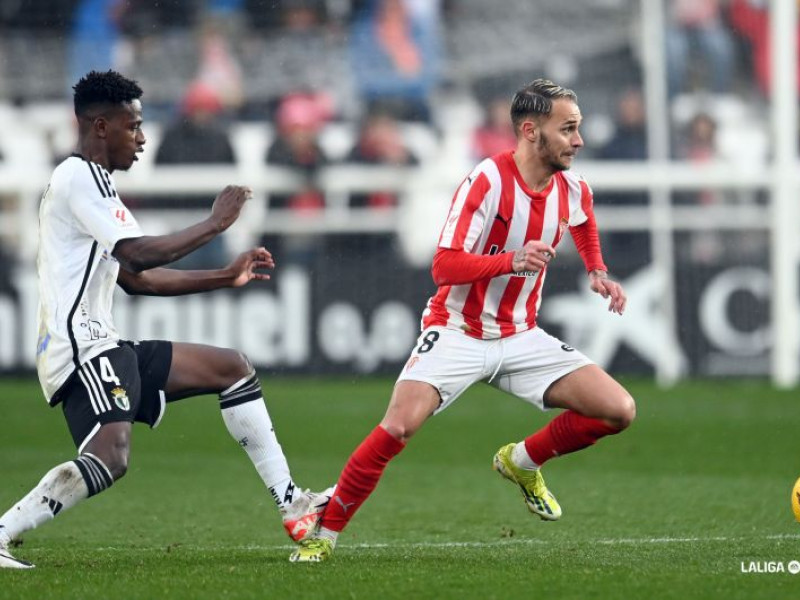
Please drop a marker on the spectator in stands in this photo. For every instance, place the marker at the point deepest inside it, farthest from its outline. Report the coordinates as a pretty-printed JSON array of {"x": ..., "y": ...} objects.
[
  {"x": 699, "y": 147},
  {"x": 142, "y": 18},
  {"x": 198, "y": 137},
  {"x": 698, "y": 24},
  {"x": 298, "y": 122},
  {"x": 219, "y": 68},
  {"x": 496, "y": 134},
  {"x": 629, "y": 142},
  {"x": 394, "y": 51},
  {"x": 95, "y": 36},
  {"x": 751, "y": 19},
  {"x": 292, "y": 14},
  {"x": 380, "y": 142}
]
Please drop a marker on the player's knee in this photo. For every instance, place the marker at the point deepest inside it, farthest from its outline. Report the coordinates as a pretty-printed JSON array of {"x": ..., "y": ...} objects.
[
  {"x": 398, "y": 430},
  {"x": 625, "y": 412},
  {"x": 236, "y": 366},
  {"x": 118, "y": 466},
  {"x": 117, "y": 461},
  {"x": 114, "y": 457}
]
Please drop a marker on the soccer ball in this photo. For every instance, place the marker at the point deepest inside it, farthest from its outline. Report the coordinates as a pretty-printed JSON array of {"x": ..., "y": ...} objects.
[{"x": 796, "y": 499}]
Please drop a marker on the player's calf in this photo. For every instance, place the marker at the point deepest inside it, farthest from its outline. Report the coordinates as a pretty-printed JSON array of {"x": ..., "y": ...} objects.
[{"x": 61, "y": 488}]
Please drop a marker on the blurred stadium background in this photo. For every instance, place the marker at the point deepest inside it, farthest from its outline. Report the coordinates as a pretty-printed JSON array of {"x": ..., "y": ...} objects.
[{"x": 354, "y": 120}]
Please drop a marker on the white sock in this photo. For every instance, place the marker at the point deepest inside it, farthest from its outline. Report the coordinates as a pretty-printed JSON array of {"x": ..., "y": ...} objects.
[
  {"x": 521, "y": 458},
  {"x": 61, "y": 488},
  {"x": 329, "y": 534},
  {"x": 247, "y": 420}
]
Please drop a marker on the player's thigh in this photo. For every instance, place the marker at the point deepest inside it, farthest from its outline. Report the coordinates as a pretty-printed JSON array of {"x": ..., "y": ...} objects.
[
  {"x": 448, "y": 361},
  {"x": 532, "y": 361},
  {"x": 411, "y": 404},
  {"x": 200, "y": 369},
  {"x": 592, "y": 392}
]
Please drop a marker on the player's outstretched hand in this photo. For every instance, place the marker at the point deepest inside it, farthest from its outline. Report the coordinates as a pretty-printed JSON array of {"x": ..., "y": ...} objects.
[
  {"x": 228, "y": 204},
  {"x": 533, "y": 256},
  {"x": 607, "y": 288},
  {"x": 246, "y": 267}
]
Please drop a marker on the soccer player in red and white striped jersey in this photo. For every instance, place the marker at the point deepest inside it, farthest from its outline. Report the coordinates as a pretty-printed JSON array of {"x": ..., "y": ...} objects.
[{"x": 500, "y": 237}]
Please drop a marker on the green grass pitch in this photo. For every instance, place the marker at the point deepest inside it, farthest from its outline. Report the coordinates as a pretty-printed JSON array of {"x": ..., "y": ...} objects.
[{"x": 673, "y": 508}]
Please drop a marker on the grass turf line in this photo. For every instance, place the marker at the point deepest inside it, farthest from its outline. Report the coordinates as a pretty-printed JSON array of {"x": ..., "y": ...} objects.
[{"x": 670, "y": 509}]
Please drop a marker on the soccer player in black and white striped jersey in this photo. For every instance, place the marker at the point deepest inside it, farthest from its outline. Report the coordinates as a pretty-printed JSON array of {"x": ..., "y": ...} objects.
[{"x": 88, "y": 243}]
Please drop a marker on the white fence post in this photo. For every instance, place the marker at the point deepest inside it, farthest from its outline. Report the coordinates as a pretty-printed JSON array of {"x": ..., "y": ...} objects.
[{"x": 784, "y": 191}]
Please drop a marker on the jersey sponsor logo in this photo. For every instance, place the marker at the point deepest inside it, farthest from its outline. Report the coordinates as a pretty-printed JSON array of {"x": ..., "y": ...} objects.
[
  {"x": 96, "y": 329},
  {"x": 495, "y": 249},
  {"x": 122, "y": 217},
  {"x": 120, "y": 397}
]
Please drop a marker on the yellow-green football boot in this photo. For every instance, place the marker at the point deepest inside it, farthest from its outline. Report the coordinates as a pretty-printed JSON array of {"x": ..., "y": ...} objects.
[
  {"x": 313, "y": 549},
  {"x": 538, "y": 498}
]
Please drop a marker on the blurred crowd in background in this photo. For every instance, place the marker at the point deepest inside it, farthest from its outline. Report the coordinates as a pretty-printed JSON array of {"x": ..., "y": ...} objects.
[{"x": 382, "y": 67}]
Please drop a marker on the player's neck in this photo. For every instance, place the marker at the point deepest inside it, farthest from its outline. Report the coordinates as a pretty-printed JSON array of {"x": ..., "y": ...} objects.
[
  {"x": 536, "y": 175},
  {"x": 89, "y": 151}
]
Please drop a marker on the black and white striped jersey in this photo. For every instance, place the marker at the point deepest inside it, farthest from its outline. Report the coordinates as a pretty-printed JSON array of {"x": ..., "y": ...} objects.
[{"x": 81, "y": 218}]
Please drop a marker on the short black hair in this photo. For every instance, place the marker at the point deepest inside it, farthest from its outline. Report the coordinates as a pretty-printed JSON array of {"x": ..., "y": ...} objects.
[
  {"x": 536, "y": 99},
  {"x": 110, "y": 88}
]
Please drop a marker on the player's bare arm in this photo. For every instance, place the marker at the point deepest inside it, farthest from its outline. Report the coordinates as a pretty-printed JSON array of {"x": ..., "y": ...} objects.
[
  {"x": 608, "y": 288},
  {"x": 146, "y": 252},
  {"x": 533, "y": 256},
  {"x": 246, "y": 267}
]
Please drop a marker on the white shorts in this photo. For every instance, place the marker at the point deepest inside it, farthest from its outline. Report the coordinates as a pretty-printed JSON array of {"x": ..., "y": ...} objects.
[{"x": 524, "y": 364}]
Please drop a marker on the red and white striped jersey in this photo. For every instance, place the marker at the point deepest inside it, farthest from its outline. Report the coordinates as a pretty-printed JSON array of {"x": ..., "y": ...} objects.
[{"x": 494, "y": 211}]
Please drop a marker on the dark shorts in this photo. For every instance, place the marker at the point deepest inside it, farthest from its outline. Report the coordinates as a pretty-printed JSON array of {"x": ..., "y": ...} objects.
[{"x": 125, "y": 383}]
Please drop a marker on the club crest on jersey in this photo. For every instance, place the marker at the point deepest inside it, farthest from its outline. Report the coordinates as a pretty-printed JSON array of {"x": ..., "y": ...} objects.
[
  {"x": 562, "y": 226},
  {"x": 120, "y": 397},
  {"x": 121, "y": 216}
]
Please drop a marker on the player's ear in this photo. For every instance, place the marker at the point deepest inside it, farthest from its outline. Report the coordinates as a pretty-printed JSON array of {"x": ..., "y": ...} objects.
[
  {"x": 530, "y": 130},
  {"x": 100, "y": 127}
]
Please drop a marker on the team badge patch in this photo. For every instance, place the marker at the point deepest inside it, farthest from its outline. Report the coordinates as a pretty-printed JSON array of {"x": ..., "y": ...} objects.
[{"x": 121, "y": 398}]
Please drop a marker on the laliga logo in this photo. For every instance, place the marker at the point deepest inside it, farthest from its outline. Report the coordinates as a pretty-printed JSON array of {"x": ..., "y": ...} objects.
[{"x": 770, "y": 566}]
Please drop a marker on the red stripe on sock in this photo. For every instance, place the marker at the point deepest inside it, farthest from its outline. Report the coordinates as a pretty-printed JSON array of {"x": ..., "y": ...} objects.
[
  {"x": 359, "y": 477},
  {"x": 567, "y": 433}
]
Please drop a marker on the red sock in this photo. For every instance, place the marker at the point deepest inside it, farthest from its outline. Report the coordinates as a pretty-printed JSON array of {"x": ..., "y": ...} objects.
[
  {"x": 359, "y": 477},
  {"x": 567, "y": 433}
]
